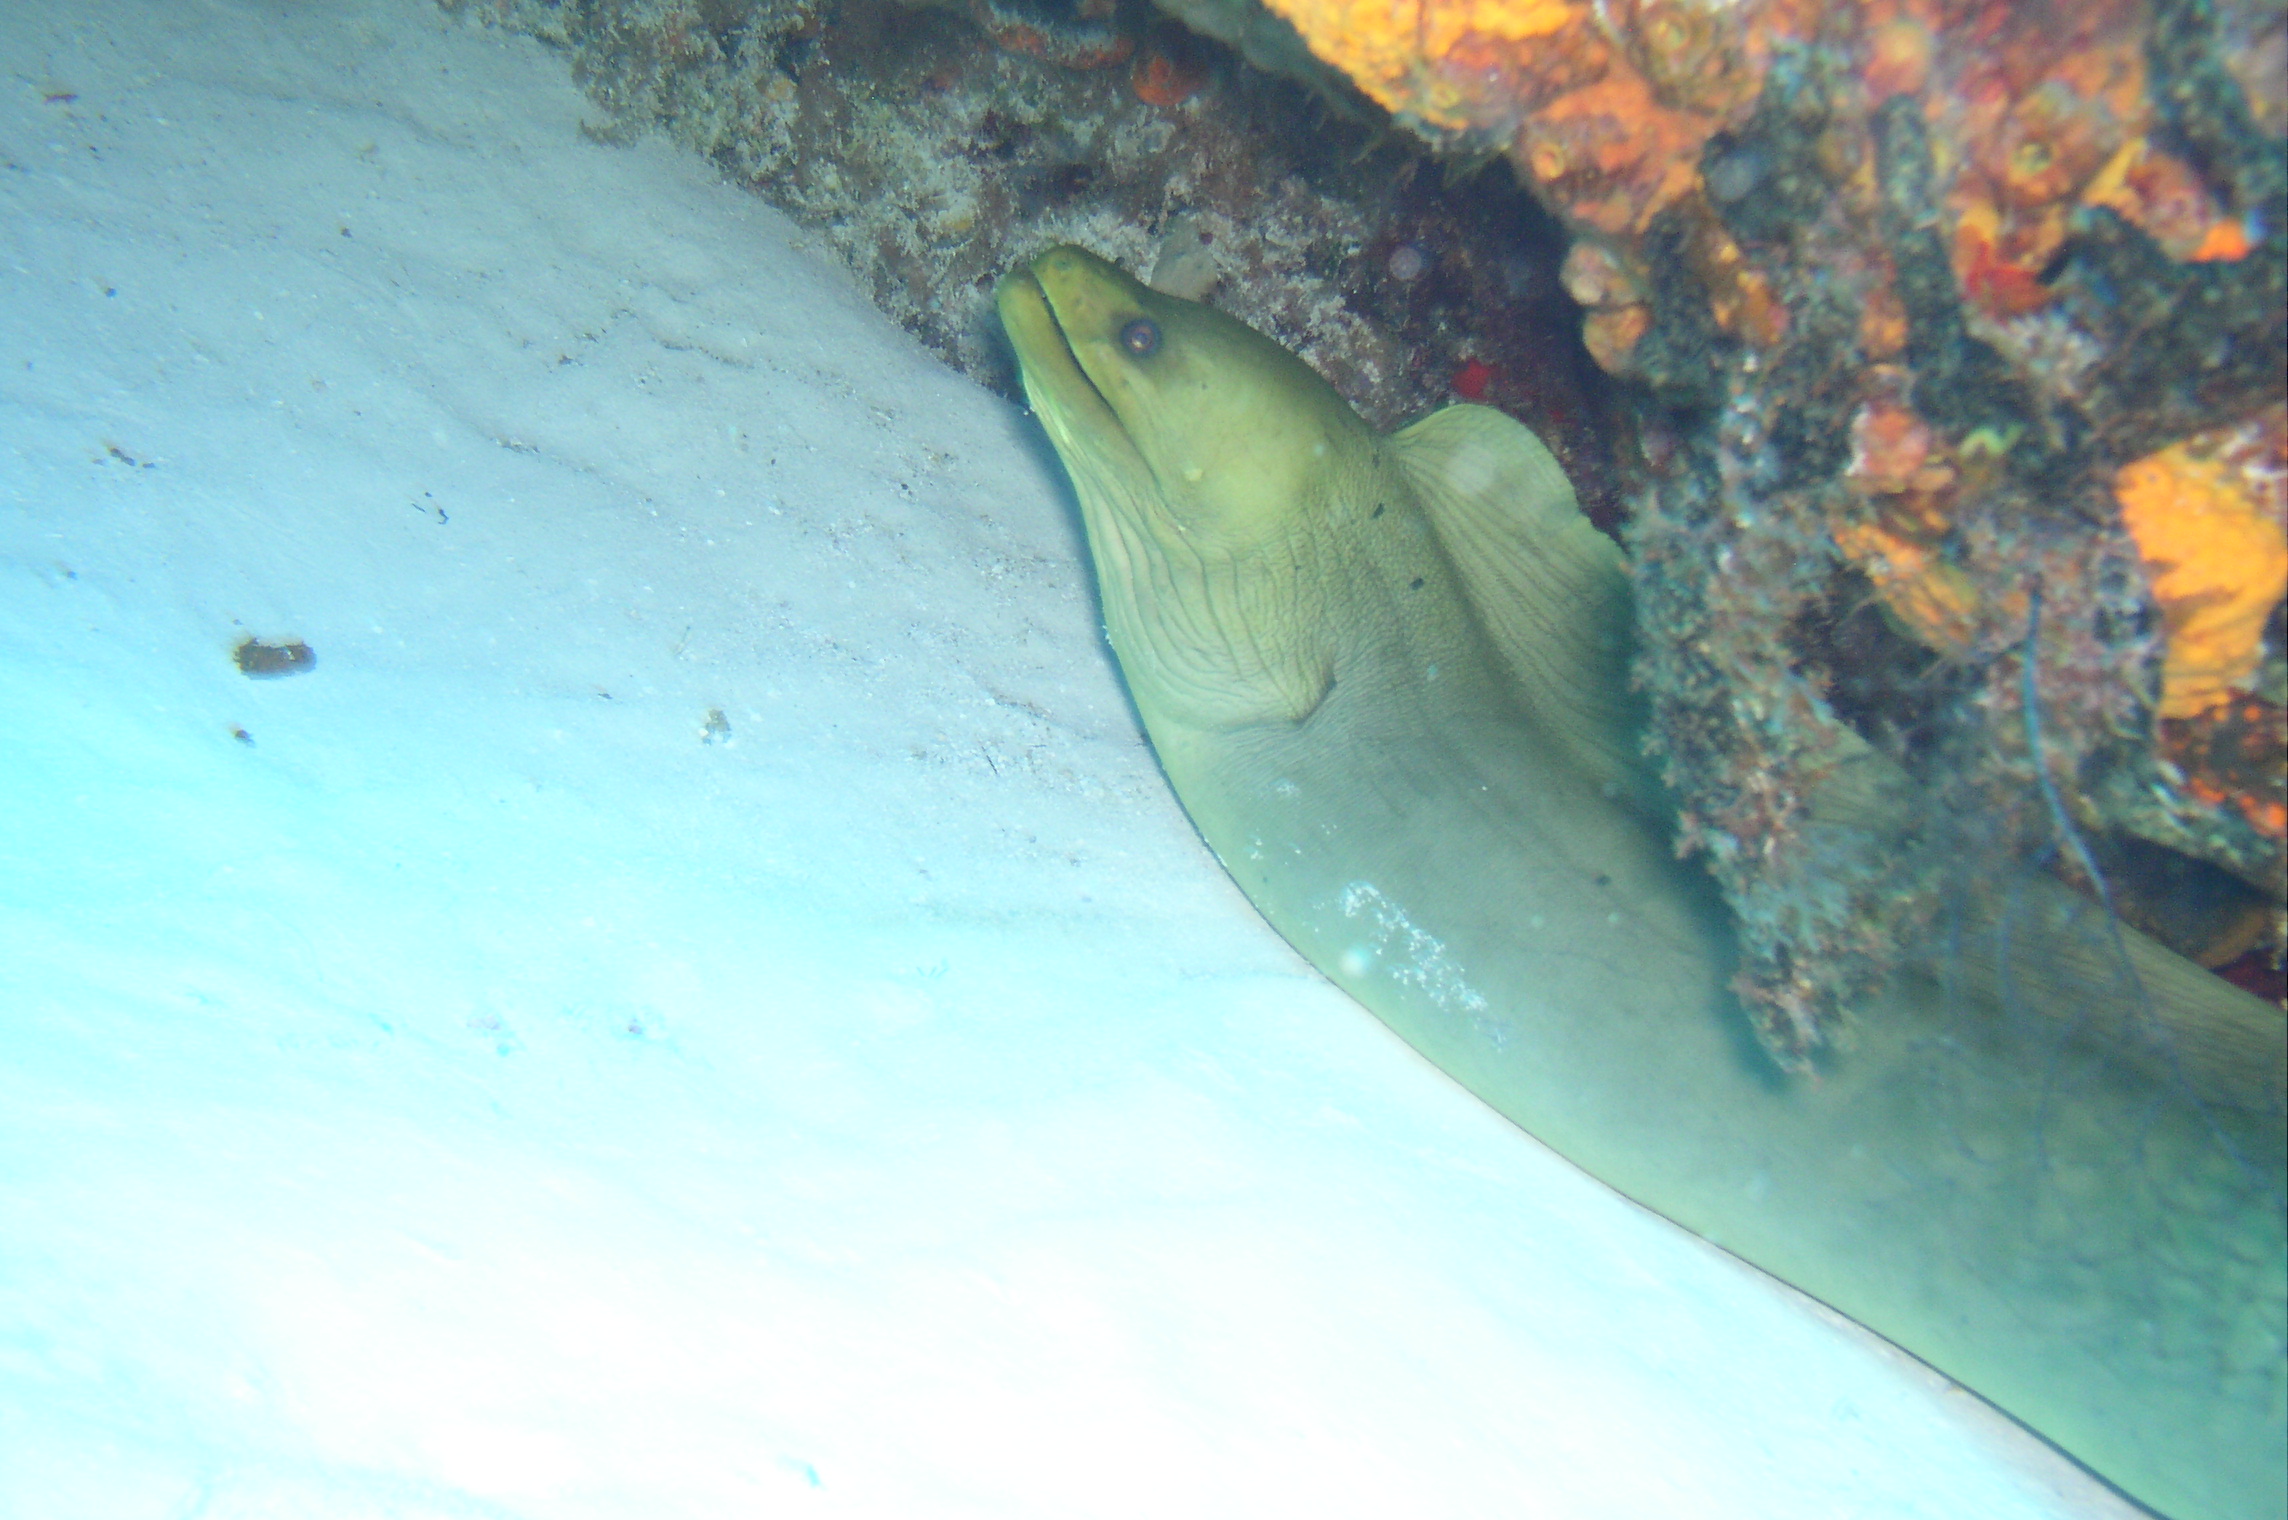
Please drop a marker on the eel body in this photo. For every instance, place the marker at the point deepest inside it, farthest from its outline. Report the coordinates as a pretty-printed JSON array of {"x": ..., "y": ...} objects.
[{"x": 1387, "y": 677}]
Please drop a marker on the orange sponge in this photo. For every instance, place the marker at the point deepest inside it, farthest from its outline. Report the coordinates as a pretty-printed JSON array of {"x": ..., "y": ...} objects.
[{"x": 2211, "y": 523}]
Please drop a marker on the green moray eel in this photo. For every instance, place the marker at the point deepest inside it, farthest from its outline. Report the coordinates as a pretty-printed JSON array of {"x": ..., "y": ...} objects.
[{"x": 1387, "y": 676}]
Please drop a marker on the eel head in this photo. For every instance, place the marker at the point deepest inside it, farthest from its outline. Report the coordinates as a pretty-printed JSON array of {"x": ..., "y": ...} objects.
[
  {"x": 1235, "y": 434},
  {"x": 1204, "y": 455}
]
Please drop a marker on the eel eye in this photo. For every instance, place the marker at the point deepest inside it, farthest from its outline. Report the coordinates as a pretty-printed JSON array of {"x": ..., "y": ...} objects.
[{"x": 1140, "y": 337}]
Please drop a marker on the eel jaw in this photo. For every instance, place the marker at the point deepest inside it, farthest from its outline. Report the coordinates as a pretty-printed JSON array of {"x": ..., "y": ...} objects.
[{"x": 1060, "y": 391}]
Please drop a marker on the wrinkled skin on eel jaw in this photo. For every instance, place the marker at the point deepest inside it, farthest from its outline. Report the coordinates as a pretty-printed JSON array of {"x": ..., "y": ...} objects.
[{"x": 1387, "y": 678}]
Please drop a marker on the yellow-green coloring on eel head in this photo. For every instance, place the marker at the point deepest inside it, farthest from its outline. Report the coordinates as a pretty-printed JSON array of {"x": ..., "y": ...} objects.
[{"x": 1387, "y": 675}]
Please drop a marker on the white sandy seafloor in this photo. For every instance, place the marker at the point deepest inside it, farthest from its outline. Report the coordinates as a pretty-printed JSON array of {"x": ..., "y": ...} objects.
[{"x": 475, "y": 1092}]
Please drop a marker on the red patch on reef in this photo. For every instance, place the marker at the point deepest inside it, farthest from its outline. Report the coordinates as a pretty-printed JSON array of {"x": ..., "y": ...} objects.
[
  {"x": 2254, "y": 972},
  {"x": 1473, "y": 378},
  {"x": 1167, "y": 73},
  {"x": 1077, "y": 47},
  {"x": 2223, "y": 241},
  {"x": 2006, "y": 289}
]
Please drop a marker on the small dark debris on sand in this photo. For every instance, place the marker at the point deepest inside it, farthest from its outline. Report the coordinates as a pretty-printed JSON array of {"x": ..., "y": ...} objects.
[{"x": 262, "y": 661}]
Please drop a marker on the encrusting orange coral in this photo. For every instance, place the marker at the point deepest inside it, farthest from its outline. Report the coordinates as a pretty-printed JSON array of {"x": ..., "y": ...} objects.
[
  {"x": 1610, "y": 121},
  {"x": 2036, "y": 112},
  {"x": 2210, "y": 516}
]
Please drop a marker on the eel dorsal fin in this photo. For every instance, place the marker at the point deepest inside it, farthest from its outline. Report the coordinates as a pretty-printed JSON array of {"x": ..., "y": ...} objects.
[{"x": 1549, "y": 590}]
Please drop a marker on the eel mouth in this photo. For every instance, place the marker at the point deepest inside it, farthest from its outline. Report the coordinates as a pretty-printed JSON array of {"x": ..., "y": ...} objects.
[
  {"x": 1051, "y": 369},
  {"x": 1080, "y": 419}
]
